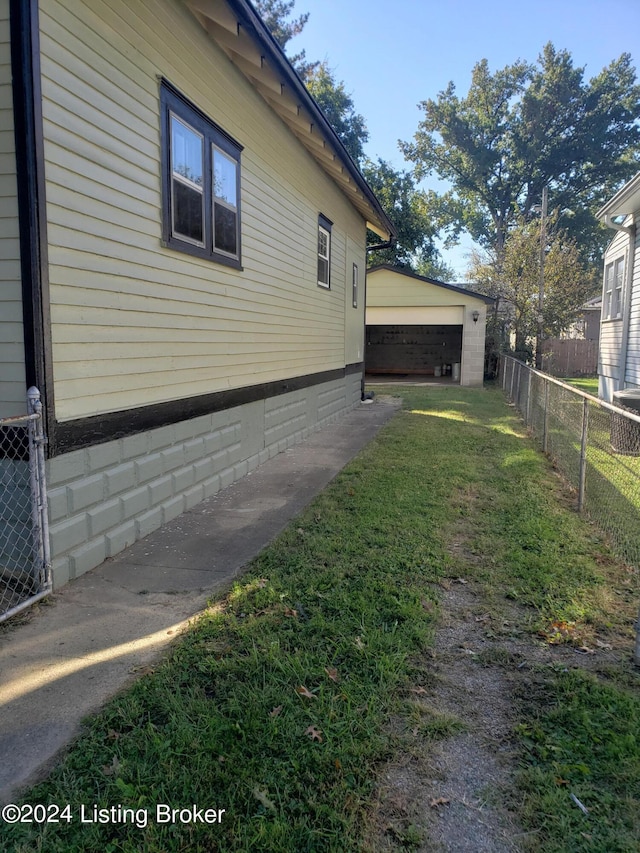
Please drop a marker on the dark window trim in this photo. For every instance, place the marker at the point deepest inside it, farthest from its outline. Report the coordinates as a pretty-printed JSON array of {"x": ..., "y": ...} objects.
[
  {"x": 173, "y": 101},
  {"x": 99, "y": 429}
]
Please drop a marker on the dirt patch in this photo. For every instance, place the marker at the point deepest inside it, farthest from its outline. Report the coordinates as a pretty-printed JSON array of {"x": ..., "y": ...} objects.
[{"x": 452, "y": 793}]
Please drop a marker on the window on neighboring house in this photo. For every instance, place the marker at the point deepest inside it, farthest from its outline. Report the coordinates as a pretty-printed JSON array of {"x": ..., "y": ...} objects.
[
  {"x": 354, "y": 286},
  {"x": 613, "y": 286},
  {"x": 324, "y": 251},
  {"x": 201, "y": 182}
]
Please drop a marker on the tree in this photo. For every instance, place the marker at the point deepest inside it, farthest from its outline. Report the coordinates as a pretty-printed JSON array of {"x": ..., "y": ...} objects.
[
  {"x": 275, "y": 14},
  {"x": 525, "y": 127},
  {"x": 407, "y": 207},
  {"x": 340, "y": 110},
  {"x": 514, "y": 279}
]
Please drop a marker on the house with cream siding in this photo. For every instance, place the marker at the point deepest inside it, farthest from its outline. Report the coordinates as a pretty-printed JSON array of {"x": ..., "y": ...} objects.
[
  {"x": 619, "y": 357},
  {"x": 183, "y": 257}
]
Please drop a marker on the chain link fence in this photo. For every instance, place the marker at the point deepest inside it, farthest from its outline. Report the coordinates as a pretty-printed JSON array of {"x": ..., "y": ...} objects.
[
  {"x": 594, "y": 445},
  {"x": 25, "y": 568}
]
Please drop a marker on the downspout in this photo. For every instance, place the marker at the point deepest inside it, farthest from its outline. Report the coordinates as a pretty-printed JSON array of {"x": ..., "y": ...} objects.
[
  {"x": 630, "y": 230},
  {"x": 373, "y": 248}
]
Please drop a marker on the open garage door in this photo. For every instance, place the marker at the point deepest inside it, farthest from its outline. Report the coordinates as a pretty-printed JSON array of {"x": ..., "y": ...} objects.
[{"x": 421, "y": 350}]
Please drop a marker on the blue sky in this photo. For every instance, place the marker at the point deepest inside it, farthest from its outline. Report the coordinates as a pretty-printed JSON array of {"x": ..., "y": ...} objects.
[{"x": 392, "y": 55}]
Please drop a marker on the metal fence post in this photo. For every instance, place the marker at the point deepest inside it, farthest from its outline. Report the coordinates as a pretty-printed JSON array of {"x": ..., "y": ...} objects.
[
  {"x": 583, "y": 454},
  {"x": 39, "y": 502}
]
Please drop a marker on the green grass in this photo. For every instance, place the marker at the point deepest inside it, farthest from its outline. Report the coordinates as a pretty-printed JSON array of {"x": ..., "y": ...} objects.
[
  {"x": 581, "y": 738},
  {"x": 278, "y": 705},
  {"x": 588, "y": 384}
]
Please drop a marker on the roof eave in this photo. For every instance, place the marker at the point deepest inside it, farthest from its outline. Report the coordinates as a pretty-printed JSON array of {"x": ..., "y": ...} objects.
[
  {"x": 291, "y": 101},
  {"x": 626, "y": 201}
]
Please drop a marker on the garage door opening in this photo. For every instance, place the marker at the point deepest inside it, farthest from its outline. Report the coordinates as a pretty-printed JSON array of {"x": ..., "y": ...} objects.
[{"x": 414, "y": 351}]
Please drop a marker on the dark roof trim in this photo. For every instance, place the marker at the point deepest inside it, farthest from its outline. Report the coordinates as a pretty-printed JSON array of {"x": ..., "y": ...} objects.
[
  {"x": 254, "y": 24},
  {"x": 453, "y": 287}
]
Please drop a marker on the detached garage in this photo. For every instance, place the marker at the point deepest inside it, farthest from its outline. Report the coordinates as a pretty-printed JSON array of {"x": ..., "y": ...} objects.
[{"x": 423, "y": 327}]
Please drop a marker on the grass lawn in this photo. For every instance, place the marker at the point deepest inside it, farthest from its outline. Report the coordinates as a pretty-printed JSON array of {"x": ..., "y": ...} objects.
[
  {"x": 588, "y": 384},
  {"x": 276, "y": 705}
]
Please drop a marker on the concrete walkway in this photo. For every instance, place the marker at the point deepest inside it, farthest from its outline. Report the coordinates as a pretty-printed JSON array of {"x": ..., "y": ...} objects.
[{"x": 91, "y": 639}]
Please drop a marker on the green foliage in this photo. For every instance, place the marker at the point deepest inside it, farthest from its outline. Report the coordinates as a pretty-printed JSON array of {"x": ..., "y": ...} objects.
[
  {"x": 275, "y": 14},
  {"x": 514, "y": 278},
  {"x": 409, "y": 210},
  {"x": 339, "y": 109},
  {"x": 525, "y": 127}
]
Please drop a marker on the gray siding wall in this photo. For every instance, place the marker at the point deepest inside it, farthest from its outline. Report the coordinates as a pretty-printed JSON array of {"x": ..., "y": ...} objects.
[{"x": 104, "y": 498}]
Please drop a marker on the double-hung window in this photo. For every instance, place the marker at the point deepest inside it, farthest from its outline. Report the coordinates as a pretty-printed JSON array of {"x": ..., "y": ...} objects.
[
  {"x": 201, "y": 182},
  {"x": 613, "y": 287},
  {"x": 324, "y": 251}
]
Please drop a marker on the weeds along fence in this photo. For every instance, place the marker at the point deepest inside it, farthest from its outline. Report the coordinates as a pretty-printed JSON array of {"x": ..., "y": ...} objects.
[
  {"x": 25, "y": 567},
  {"x": 594, "y": 445}
]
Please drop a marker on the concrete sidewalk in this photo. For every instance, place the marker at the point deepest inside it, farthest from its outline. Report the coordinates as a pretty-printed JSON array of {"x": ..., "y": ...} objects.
[{"x": 91, "y": 638}]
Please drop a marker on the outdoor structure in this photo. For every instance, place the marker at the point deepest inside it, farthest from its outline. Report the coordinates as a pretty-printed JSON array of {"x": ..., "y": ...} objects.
[
  {"x": 420, "y": 326},
  {"x": 183, "y": 257},
  {"x": 619, "y": 359}
]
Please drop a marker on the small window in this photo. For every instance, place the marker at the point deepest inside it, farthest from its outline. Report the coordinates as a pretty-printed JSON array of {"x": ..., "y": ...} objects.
[
  {"x": 354, "y": 286},
  {"x": 324, "y": 251},
  {"x": 613, "y": 286},
  {"x": 201, "y": 182}
]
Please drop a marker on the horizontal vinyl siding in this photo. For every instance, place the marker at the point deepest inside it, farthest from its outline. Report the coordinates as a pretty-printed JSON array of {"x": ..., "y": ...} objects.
[
  {"x": 134, "y": 323},
  {"x": 633, "y": 353},
  {"x": 388, "y": 288},
  {"x": 12, "y": 373}
]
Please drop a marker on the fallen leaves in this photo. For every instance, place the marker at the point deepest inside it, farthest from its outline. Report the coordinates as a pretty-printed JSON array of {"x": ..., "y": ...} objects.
[
  {"x": 436, "y": 802},
  {"x": 275, "y": 712},
  {"x": 314, "y": 733},
  {"x": 261, "y": 796},
  {"x": 111, "y": 769},
  {"x": 332, "y": 673},
  {"x": 301, "y": 690}
]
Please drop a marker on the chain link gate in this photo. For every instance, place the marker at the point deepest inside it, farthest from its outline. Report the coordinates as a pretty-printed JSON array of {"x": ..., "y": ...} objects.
[{"x": 25, "y": 565}]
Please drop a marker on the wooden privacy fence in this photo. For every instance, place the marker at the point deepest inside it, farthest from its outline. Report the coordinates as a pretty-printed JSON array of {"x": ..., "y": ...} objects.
[{"x": 570, "y": 357}]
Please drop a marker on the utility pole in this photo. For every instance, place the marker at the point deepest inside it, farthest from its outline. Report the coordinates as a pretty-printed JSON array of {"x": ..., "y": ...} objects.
[{"x": 543, "y": 241}]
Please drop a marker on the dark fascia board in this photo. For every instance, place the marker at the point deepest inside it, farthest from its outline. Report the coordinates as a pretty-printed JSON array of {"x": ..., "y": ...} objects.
[
  {"x": 453, "y": 287},
  {"x": 254, "y": 24}
]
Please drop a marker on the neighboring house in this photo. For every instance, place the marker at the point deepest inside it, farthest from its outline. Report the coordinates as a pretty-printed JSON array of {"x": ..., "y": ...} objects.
[
  {"x": 420, "y": 326},
  {"x": 183, "y": 257},
  {"x": 619, "y": 359},
  {"x": 586, "y": 326}
]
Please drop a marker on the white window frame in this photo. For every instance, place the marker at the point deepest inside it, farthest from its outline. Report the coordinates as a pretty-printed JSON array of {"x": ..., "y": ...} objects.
[
  {"x": 324, "y": 230},
  {"x": 354, "y": 286},
  {"x": 613, "y": 289}
]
